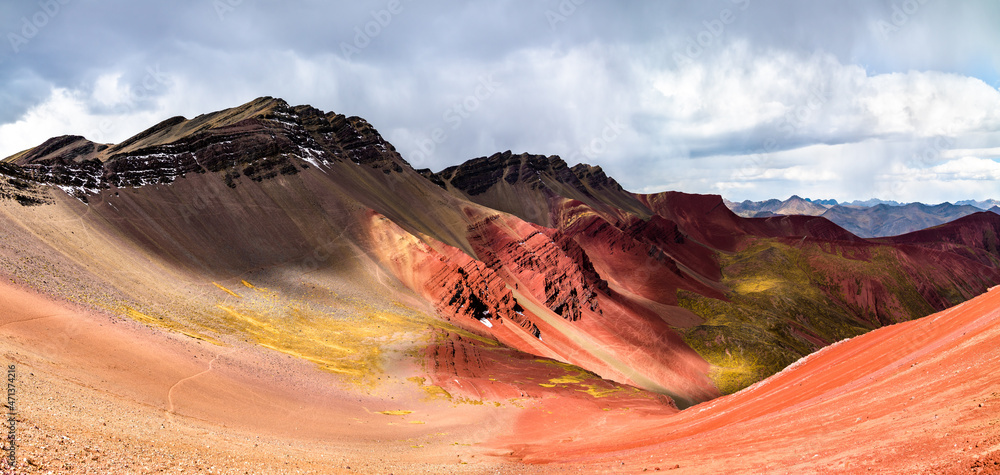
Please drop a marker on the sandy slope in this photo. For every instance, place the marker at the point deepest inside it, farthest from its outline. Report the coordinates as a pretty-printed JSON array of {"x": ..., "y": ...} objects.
[{"x": 101, "y": 395}]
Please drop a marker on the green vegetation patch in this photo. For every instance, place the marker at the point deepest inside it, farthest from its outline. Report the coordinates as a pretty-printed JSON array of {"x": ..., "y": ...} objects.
[{"x": 788, "y": 300}]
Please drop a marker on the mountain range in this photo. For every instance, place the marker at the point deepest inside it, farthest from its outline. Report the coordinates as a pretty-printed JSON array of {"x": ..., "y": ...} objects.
[
  {"x": 510, "y": 279},
  {"x": 985, "y": 204},
  {"x": 869, "y": 219}
]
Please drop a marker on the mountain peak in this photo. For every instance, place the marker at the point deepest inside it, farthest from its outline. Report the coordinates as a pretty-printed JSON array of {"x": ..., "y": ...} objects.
[
  {"x": 478, "y": 175},
  {"x": 537, "y": 172},
  {"x": 258, "y": 140},
  {"x": 175, "y": 128},
  {"x": 64, "y": 148},
  {"x": 523, "y": 184},
  {"x": 794, "y": 205}
]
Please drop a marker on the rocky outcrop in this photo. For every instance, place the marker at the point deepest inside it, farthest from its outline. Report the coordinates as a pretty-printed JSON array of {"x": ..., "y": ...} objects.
[
  {"x": 18, "y": 186},
  {"x": 473, "y": 291},
  {"x": 594, "y": 178},
  {"x": 476, "y": 176},
  {"x": 461, "y": 288},
  {"x": 548, "y": 264},
  {"x": 531, "y": 186}
]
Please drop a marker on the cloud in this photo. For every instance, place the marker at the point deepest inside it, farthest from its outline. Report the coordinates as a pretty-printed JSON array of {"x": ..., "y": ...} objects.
[
  {"x": 62, "y": 114},
  {"x": 67, "y": 112},
  {"x": 962, "y": 169},
  {"x": 783, "y": 98},
  {"x": 977, "y": 152}
]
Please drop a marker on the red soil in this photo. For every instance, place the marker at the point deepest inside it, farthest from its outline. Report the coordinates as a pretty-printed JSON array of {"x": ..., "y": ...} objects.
[
  {"x": 913, "y": 397},
  {"x": 546, "y": 299}
]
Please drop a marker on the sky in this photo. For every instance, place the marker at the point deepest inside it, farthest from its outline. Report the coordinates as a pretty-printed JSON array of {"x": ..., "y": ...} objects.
[{"x": 750, "y": 99}]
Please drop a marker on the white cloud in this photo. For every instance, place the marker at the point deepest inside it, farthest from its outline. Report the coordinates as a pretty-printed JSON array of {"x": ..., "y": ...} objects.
[
  {"x": 62, "y": 114},
  {"x": 777, "y": 112},
  {"x": 961, "y": 169},
  {"x": 68, "y": 112},
  {"x": 816, "y": 98},
  {"x": 109, "y": 91},
  {"x": 971, "y": 152}
]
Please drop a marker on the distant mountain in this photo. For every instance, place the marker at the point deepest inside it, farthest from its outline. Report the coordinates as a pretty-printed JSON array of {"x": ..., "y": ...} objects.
[
  {"x": 762, "y": 209},
  {"x": 986, "y": 204},
  {"x": 867, "y": 219},
  {"x": 885, "y": 220},
  {"x": 995, "y": 209},
  {"x": 872, "y": 202}
]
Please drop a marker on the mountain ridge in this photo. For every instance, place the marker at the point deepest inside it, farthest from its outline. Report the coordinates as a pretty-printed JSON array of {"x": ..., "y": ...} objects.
[
  {"x": 671, "y": 292},
  {"x": 870, "y": 219}
]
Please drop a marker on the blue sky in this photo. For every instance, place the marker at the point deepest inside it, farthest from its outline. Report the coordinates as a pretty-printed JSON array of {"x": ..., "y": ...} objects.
[{"x": 750, "y": 99}]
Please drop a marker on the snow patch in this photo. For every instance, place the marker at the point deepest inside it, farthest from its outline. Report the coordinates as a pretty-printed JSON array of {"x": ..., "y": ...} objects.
[
  {"x": 285, "y": 119},
  {"x": 312, "y": 156},
  {"x": 76, "y": 191}
]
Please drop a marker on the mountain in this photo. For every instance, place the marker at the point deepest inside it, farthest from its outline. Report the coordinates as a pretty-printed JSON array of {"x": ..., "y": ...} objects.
[
  {"x": 792, "y": 206},
  {"x": 872, "y": 202},
  {"x": 826, "y": 203},
  {"x": 670, "y": 292},
  {"x": 269, "y": 235},
  {"x": 885, "y": 220},
  {"x": 985, "y": 204},
  {"x": 995, "y": 209},
  {"x": 752, "y": 262},
  {"x": 868, "y": 219}
]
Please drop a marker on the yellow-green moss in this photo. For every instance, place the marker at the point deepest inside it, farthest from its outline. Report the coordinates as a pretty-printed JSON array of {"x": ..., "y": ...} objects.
[{"x": 781, "y": 292}]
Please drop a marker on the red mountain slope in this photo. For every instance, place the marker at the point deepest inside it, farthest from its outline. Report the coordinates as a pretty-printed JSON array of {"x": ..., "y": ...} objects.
[
  {"x": 916, "y": 397},
  {"x": 750, "y": 295}
]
